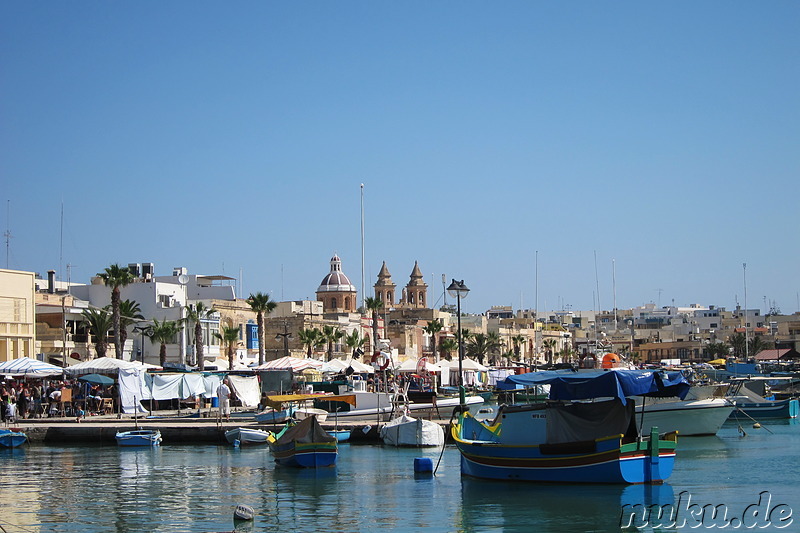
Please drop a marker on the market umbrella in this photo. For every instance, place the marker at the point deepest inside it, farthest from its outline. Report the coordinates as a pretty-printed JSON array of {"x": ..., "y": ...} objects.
[
  {"x": 25, "y": 366},
  {"x": 97, "y": 379}
]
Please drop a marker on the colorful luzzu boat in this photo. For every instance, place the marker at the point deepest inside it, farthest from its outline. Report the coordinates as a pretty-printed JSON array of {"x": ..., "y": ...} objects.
[
  {"x": 304, "y": 444},
  {"x": 569, "y": 439}
]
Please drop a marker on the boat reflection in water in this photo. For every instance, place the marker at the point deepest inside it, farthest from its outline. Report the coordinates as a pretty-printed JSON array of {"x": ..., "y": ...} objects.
[{"x": 516, "y": 506}]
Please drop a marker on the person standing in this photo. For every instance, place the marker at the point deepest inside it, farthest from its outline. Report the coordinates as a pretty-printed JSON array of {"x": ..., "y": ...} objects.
[{"x": 224, "y": 395}]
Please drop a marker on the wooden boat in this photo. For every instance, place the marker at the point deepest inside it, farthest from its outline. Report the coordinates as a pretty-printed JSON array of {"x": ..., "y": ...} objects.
[
  {"x": 304, "y": 444},
  {"x": 275, "y": 416},
  {"x": 415, "y": 432},
  {"x": 247, "y": 436},
  {"x": 566, "y": 440},
  {"x": 139, "y": 437},
  {"x": 12, "y": 439},
  {"x": 342, "y": 435}
]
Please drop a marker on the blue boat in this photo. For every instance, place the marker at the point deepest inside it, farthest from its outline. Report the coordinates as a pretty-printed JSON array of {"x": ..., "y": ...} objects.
[
  {"x": 767, "y": 409},
  {"x": 304, "y": 444},
  {"x": 139, "y": 437},
  {"x": 570, "y": 441},
  {"x": 342, "y": 435},
  {"x": 12, "y": 439}
]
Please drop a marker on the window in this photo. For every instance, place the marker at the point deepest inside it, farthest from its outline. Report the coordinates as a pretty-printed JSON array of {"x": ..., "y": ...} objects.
[{"x": 333, "y": 303}]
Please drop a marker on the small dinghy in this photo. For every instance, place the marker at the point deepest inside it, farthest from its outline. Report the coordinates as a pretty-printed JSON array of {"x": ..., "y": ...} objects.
[
  {"x": 139, "y": 437},
  {"x": 247, "y": 436},
  {"x": 12, "y": 439}
]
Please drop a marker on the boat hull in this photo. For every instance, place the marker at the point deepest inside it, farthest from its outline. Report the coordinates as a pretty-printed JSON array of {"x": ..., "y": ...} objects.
[
  {"x": 342, "y": 435},
  {"x": 304, "y": 445},
  {"x": 412, "y": 432},
  {"x": 275, "y": 417},
  {"x": 139, "y": 438},
  {"x": 603, "y": 461},
  {"x": 12, "y": 439},
  {"x": 247, "y": 436},
  {"x": 688, "y": 418},
  {"x": 767, "y": 409}
]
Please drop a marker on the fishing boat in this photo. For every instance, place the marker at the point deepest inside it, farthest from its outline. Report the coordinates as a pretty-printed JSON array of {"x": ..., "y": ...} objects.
[
  {"x": 342, "y": 435},
  {"x": 751, "y": 404},
  {"x": 139, "y": 437},
  {"x": 247, "y": 436},
  {"x": 415, "y": 432},
  {"x": 275, "y": 416},
  {"x": 687, "y": 417},
  {"x": 585, "y": 433},
  {"x": 304, "y": 444},
  {"x": 12, "y": 438}
]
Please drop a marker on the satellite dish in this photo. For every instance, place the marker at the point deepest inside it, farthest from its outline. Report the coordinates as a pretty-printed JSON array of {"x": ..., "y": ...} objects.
[{"x": 183, "y": 279}]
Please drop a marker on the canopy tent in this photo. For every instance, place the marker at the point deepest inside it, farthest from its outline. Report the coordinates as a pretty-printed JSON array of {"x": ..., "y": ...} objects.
[
  {"x": 106, "y": 365},
  {"x": 340, "y": 365},
  {"x": 467, "y": 364},
  {"x": 294, "y": 364},
  {"x": 410, "y": 365},
  {"x": 25, "y": 366},
  {"x": 97, "y": 379},
  {"x": 246, "y": 389},
  {"x": 571, "y": 385}
]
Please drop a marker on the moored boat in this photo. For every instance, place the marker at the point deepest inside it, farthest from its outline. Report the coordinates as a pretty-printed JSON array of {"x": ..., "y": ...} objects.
[
  {"x": 139, "y": 437},
  {"x": 766, "y": 409},
  {"x": 570, "y": 439},
  {"x": 247, "y": 435},
  {"x": 687, "y": 417},
  {"x": 275, "y": 416},
  {"x": 11, "y": 438},
  {"x": 342, "y": 435},
  {"x": 408, "y": 431},
  {"x": 304, "y": 444}
]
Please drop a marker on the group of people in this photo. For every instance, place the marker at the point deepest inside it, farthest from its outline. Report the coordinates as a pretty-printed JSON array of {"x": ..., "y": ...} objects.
[{"x": 35, "y": 399}]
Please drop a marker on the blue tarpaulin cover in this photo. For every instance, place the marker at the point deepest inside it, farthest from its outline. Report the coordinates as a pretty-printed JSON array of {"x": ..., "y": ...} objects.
[{"x": 583, "y": 385}]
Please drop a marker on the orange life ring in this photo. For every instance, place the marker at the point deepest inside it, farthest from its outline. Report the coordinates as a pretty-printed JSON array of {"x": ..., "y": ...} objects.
[{"x": 381, "y": 360}]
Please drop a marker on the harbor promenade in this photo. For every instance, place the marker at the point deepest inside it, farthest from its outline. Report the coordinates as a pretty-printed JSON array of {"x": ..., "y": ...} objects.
[{"x": 178, "y": 428}]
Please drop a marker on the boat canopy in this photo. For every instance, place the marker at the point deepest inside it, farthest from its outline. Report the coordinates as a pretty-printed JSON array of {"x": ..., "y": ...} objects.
[
  {"x": 571, "y": 385},
  {"x": 276, "y": 400}
]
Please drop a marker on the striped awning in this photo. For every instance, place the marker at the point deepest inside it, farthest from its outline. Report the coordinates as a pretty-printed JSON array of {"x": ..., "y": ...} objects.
[{"x": 25, "y": 366}]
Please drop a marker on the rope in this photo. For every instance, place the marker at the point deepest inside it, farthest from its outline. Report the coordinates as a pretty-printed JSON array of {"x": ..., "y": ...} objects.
[
  {"x": 754, "y": 420},
  {"x": 445, "y": 445}
]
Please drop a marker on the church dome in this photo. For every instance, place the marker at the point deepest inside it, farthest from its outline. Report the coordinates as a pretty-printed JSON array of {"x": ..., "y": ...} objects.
[{"x": 336, "y": 280}]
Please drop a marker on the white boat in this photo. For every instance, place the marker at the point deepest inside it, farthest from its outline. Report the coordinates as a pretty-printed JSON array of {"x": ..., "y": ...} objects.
[
  {"x": 687, "y": 417},
  {"x": 275, "y": 416},
  {"x": 139, "y": 437},
  {"x": 407, "y": 431},
  {"x": 372, "y": 403},
  {"x": 247, "y": 436}
]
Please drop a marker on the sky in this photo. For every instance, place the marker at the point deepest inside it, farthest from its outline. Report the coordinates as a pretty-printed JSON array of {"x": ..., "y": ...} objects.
[{"x": 553, "y": 155}]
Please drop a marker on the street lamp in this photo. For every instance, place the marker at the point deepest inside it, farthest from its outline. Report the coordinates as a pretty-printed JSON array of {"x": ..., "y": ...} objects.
[
  {"x": 286, "y": 336},
  {"x": 459, "y": 290}
]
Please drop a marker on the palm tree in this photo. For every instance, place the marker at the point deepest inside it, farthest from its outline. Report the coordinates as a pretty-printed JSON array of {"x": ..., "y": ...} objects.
[
  {"x": 115, "y": 277},
  {"x": 310, "y": 338},
  {"x": 448, "y": 346},
  {"x": 196, "y": 313},
  {"x": 517, "y": 341},
  {"x": 261, "y": 304},
  {"x": 355, "y": 342},
  {"x": 229, "y": 338},
  {"x": 495, "y": 344},
  {"x": 717, "y": 349},
  {"x": 331, "y": 334},
  {"x": 99, "y": 322},
  {"x": 737, "y": 342},
  {"x": 129, "y": 314},
  {"x": 374, "y": 305},
  {"x": 549, "y": 346},
  {"x": 434, "y": 327},
  {"x": 163, "y": 333},
  {"x": 480, "y": 345},
  {"x": 755, "y": 345}
]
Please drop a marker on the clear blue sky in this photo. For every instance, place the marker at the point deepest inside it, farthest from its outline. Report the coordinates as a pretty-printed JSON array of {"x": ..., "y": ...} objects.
[{"x": 232, "y": 137}]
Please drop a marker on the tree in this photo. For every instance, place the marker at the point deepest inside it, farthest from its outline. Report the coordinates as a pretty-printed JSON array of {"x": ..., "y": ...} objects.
[
  {"x": 448, "y": 346},
  {"x": 434, "y": 327},
  {"x": 738, "y": 343},
  {"x": 517, "y": 341},
  {"x": 115, "y": 277},
  {"x": 195, "y": 314},
  {"x": 718, "y": 350},
  {"x": 163, "y": 333},
  {"x": 261, "y": 304},
  {"x": 99, "y": 322},
  {"x": 495, "y": 344},
  {"x": 229, "y": 338},
  {"x": 310, "y": 338},
  {"x": 129, "y": 314},
  {"x": 355, "y": 342},
  {"x": 374, "y": 305},
  {"x": 756, "y": 344},
  {"x": 549, "y": 346},
  {"x": 480, "y": 345},
  {"x": 331, "y": 334}
]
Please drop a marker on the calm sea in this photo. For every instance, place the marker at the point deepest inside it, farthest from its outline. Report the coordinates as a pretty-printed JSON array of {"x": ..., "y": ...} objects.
[{"x": 194, "y": 489}]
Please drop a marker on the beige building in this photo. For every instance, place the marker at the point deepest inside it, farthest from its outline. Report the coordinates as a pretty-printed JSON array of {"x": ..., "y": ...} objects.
[{"x": 17, "y": 316}]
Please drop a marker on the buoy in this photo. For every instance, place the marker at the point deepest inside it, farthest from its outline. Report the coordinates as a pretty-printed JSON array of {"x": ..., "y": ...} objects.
[
  {"x": 756, "y": 425},
  {"x": 243, "y": 512},
  {"x": 236, "y": 443},
  {"x": 423, "y": 465}
]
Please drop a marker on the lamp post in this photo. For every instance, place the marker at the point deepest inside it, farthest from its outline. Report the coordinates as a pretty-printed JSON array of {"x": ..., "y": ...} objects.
[
  {"x": 459, "y": 290},
  {"x": 286, "y": 336}
]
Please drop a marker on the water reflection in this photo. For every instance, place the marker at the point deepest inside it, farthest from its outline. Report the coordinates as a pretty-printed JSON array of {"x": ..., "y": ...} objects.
[{"x": 502, "y": 506}]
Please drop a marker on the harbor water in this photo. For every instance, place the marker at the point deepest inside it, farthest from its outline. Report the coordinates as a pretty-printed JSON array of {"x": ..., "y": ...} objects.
[{"x": 195, "y": 489}]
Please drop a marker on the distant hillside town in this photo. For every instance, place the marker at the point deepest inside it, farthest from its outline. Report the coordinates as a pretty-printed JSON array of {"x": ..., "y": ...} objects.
[{"x": 184, "y": 319}]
